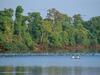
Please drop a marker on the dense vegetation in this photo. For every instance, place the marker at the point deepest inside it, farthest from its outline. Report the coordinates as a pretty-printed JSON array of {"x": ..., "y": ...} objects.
[{"x": 57, "y": 32}]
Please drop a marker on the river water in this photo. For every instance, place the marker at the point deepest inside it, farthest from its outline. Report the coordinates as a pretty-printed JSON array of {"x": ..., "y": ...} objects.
[{"x": 50, "y": 65}]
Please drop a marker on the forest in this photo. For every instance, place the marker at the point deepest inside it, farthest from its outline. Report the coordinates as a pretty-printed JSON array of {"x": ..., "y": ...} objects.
[{"x": 57, "y": 32}]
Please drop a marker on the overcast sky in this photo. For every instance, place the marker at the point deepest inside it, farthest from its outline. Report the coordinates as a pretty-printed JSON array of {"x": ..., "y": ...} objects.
[{"x": 87, "y": 8}]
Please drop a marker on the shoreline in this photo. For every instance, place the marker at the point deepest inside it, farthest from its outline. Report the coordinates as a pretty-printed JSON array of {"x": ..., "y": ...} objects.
[{"x": 46, "y": 54}]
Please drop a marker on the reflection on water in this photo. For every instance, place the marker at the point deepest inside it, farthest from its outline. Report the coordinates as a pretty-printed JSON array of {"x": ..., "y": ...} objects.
[
  {"x": 50, "y": 65},
  {"x": 8, "y": 70}
]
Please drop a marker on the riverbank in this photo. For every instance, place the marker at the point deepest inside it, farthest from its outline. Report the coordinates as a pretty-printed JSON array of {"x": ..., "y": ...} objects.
[{"x": 46, "y": 54}]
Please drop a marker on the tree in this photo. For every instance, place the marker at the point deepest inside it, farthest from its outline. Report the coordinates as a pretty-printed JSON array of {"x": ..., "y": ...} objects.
[
  {"x": 82, "y": 33},
  {"x": 46, "y": 30},
  {"x": 56, "y": 31},
  {"x": 68, "y": 29},
  {"x": 35, "y": 22},
  {"x": 6, "y": 24},
  {"x": 93, "y": 25},
  {"x": 55, "y": 17},
  {"x": 18, "y": 20},
  {"x": 25, "y": 34}
]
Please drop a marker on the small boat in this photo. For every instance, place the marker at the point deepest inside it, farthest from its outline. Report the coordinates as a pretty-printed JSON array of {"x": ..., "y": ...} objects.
[{"x": 75, "y": 57}]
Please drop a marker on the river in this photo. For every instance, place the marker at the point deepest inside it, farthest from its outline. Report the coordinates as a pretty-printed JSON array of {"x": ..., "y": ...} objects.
[{"x": 50, "y": 65}]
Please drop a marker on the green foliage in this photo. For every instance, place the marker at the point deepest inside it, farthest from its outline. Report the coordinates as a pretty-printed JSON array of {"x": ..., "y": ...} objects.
[
  {"x": 33, "y": 33},
  {"x": 35, "y": 21},
  {"x": 93, "y": 25},
  {"x": 81, "y": 33},
  {"x": 18, "y": 20}
]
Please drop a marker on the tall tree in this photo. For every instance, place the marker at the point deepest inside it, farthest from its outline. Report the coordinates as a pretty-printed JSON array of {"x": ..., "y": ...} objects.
[
  {"x": 18, "y": 20},
  {"x": 35, "y": 22},
  {"x": 93, "y": 25},
  {"x": 82, "y": 33},
  {"x": 6, "y": 24}
]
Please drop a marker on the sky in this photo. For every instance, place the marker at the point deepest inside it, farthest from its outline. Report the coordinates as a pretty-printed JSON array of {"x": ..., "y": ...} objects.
[{"x": 87, "y": 8}]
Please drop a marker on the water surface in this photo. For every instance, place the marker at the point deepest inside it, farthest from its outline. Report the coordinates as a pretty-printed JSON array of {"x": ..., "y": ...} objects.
[{"x": 50, "y": 65}]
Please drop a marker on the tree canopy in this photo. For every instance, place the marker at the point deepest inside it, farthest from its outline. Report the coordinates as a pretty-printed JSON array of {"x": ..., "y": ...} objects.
[{"x": 56, "y": 32}]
